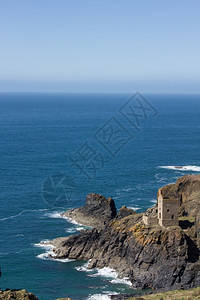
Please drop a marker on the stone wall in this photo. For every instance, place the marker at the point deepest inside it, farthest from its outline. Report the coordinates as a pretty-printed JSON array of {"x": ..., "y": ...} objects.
[
  {"x": 168, "y": 214},
  {"x": 148, "y": 220}
]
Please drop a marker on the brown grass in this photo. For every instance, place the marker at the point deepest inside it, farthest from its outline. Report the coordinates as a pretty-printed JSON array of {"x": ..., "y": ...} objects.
[{"x": 193, "y": 294}]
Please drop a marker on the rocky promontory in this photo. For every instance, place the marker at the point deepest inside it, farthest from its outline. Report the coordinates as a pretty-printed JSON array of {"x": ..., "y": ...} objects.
[{"x": 150, "y": 256}]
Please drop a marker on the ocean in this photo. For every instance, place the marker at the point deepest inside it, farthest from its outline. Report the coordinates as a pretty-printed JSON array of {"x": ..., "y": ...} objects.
[{"x": 57, "y": 148}]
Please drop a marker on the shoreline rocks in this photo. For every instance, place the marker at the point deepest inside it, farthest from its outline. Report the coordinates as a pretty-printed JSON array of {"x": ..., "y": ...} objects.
[{"x": 16, "y": 295}]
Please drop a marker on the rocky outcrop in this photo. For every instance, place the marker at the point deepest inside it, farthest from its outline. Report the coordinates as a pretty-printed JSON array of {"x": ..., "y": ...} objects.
[
  {"x": 124, "y": 212},
  {"x": 96, "y": 213},
  {"x": 149, "y": 255},
  {"x": 16, "y": 295}
]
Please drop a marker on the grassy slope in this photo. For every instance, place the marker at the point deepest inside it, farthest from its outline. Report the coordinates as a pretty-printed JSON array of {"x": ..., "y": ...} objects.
[{"x": 192, "y": 294}]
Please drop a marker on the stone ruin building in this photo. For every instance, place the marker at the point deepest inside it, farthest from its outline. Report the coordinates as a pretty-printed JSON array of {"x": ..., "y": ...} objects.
[{"x": 165, "y": 213}]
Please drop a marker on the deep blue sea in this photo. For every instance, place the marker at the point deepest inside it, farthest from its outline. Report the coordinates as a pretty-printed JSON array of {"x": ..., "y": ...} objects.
[{"x": 57, "y": 148}]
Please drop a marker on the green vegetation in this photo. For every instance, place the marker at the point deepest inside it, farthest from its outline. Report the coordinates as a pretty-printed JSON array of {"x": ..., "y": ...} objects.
[
  {"x": 190, "y": 219},
  {"x": 193, "y": 294}
]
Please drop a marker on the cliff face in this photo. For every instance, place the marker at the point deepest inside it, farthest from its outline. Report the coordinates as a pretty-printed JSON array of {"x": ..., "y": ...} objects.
[
  {"x": 150, "y": 256},
  {"x": 144, "y": 255}
]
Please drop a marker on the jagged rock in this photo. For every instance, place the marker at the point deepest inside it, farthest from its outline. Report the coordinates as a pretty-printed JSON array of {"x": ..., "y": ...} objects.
[
  {"x": 97, "y": 212},
  {"x": 16, "y": 295},
  {"x": 124, "y": 212}
]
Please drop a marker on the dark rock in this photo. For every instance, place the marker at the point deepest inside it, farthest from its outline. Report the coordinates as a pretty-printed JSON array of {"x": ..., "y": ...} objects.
[
  {"x": 124, "y": 212},
  {"x": 97, "y": 212}
]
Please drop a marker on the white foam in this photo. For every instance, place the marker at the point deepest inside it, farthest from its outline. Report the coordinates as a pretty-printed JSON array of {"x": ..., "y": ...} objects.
[
  {"x": 49, "y": 254},
  {"x": 80, "y": 228},
  {"x": 84, "y": 267},
  {"x": 104, "y": 272},
  {"x": 55, "y": 215},
  {"x": 134, "y": 208},
  {"x": 99, "y": 297},
  {"x": 70, "y": 220},
  {"x": 75, "y": 229},
  {"x": 44, "y": 244},
  {"x": 153, "y": 201},
  {"x": 111, "y": 273},
  {"x": 44, "y": 256},
  {"x": 182, "y": 168},
  {"x": 59, "y": 215},
  {"x": 124, "y": 280},
  {"x": 71, "y": 230},
  {"x": 64, "y": 260}
]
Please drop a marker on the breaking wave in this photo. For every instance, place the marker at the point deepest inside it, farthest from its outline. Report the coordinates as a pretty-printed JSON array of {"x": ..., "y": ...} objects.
[
  {"x": 153, "y": 201},
  {"x": 55, "y": 215},
  {"x": 182, "y": 168},
  {"x": 112, "y": 274},
  {"x": 74, "y": 230},
  {"x": 104, "y": 272},
  {"x": 49, "y": 254},
  {"x": 100, "y": 296},
  {"x": 134, "y": 208}
]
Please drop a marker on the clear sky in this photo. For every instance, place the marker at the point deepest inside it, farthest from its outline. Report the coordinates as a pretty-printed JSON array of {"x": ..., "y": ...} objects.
[{"x": 100, "y": 45}]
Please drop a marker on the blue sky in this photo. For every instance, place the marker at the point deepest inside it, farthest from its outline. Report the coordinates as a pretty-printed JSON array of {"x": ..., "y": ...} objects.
[{"x": 100, "y": 45}]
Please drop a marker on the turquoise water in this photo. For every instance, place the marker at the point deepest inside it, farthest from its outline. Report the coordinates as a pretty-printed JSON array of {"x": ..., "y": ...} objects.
[{"x": 39, "y": 134}]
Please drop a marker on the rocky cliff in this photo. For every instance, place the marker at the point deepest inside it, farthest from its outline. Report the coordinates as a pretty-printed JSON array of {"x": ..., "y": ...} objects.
[{"x": 150, "y": 256}]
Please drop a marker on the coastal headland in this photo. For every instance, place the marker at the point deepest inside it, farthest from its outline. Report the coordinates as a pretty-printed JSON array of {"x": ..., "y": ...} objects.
[{"x": 150, "y": 256}]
